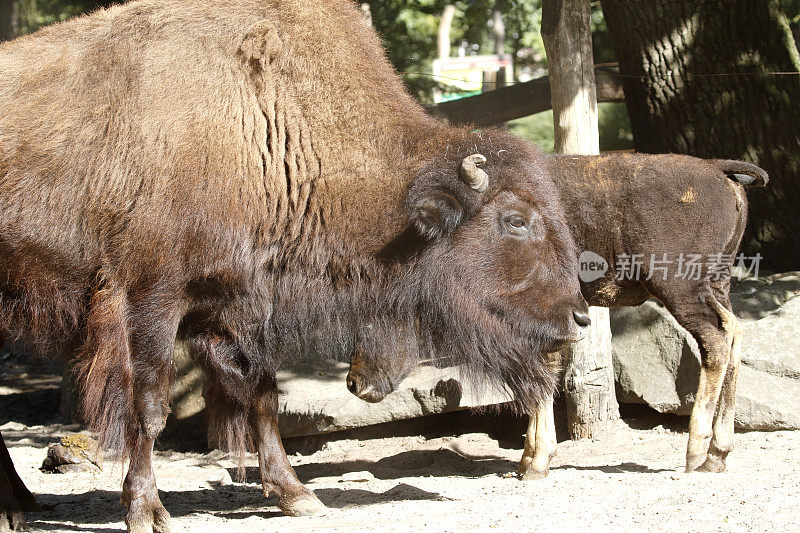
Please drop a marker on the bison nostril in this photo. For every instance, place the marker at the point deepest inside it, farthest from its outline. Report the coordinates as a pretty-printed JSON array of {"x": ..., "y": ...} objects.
[
  {"x": 582, "y": 318},
  {"x": 351, "y": 385}
]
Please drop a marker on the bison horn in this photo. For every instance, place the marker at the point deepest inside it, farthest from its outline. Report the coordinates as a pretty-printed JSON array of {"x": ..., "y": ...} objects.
[{"x": 473, "y": 176}]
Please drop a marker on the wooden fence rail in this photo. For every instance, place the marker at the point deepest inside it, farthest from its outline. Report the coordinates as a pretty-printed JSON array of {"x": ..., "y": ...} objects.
[{"x": 515, "y": 101}]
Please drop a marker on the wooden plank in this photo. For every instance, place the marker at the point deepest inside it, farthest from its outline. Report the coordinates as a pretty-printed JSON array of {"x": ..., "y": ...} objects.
[{"x": 515, "y": 101}]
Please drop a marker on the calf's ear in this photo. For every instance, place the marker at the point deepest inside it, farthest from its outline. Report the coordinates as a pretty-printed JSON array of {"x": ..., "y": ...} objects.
[{"x": 436, "y": 214}]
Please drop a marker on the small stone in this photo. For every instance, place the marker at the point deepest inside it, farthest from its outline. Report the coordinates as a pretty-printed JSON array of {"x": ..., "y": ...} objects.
[
  {"x": 75, "y": 453},
  {"x": 76, "y": 469},
  {"x": 220, "y": 478},
  {"x": 357, "y": 477},
  {"x": 13, "y": 426},
  {"x": 772, "y": 437}
]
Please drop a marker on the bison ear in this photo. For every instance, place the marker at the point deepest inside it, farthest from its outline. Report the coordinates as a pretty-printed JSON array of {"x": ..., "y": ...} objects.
[
  {"x": 436, "y": 214},
  {"x": 261, "y": 43}
]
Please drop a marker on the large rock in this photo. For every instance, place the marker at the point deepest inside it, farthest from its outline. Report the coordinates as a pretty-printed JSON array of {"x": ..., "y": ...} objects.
[
  {"x": 657, "y": 362},
  {"x": 314, "y": 398}
]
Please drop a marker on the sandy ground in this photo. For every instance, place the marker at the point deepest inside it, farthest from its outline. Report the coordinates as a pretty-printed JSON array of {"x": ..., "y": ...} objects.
[{"x": 630, "y": 479}]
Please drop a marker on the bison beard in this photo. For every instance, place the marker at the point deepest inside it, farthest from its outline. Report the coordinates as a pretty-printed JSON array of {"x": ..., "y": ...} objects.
[
  {"x": 254, "y": 179},
  {"x": 493, "y": 344}
]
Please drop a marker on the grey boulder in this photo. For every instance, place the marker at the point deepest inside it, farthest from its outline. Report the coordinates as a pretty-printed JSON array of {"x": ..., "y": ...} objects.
[{"x": 657, "y": 362}]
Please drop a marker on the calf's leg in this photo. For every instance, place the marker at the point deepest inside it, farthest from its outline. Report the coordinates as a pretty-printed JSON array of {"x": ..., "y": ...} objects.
[
  {"x": 705, "y": 319},
  {"x": 146, "y": 513},
  {"x": 233, "y": 387},
  {"x": 277, "y": 474},
  {"x": 723, "y": 430},
  {"x": 540, "y": 443}
]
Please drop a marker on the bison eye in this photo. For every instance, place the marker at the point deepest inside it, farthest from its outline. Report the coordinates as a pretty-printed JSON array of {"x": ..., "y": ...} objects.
[
  {"x": 516, "y": 222},
  {"x": 516, "y": 226}
]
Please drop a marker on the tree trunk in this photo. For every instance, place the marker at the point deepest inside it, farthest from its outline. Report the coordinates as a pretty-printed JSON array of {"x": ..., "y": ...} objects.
[
  {"x": 589, "y": 379},
  {"x": 443, "y": 36},
  {"x": 499, "y": 31},
  {"x": 7, "y": 19},
  {"x": 718, "y": 78}
]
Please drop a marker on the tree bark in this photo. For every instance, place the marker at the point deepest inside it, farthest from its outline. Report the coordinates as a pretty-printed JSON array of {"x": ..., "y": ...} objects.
[
  {"x": 7, "y": 19},
  {"x": 719, "y": 78},
  {"x": 589, "y": 378},
  {"x": 499, "y": 31}
]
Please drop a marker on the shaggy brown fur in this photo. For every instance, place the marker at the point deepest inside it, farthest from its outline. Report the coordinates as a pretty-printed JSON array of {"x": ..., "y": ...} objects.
[
  {"x": 252, "y": 176},
  {"x": 620, "y": 206}
]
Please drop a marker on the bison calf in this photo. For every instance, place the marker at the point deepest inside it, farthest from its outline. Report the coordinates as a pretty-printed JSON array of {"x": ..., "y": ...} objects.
[{"x": 662, "y": 226}]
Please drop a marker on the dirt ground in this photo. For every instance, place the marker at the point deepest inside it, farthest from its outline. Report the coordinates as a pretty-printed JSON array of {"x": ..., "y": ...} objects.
[{"x": 630, "y": 479}]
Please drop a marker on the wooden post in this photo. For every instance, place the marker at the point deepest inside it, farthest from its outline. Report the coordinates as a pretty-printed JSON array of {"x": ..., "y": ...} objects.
[{"x": 589, "y": 379}]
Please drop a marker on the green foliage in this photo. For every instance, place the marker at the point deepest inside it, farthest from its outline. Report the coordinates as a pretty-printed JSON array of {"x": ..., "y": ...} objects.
[
  {"x": 536, "y": 128},
  {"x": 792, "y": 10},
  {"x": 615, "y": 128},
  {"x": 33, "y": 14},
  {"x": 409, "y": 31},
  {"x": 409, "y": 36}
]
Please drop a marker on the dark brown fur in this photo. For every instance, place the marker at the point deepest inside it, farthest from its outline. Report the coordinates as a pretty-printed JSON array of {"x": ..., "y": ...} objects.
[{"x": 253, "y": 177}]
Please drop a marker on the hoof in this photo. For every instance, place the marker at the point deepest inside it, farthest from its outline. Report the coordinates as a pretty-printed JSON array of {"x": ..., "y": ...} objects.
[
  {"x": 12, "y": 521},
  {"x": 303, "y": 505},
  {"x": 532, "y": 474},
  {"x": 693, "y": 462},
  {"x": 712, "y": 464},
  {"x": 154, "y": 521}
]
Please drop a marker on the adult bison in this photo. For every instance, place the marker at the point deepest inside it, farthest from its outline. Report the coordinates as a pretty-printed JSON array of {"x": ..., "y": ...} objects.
[
  {"x": 252, "y": 176},
  {"x": 662, "y": 226}
]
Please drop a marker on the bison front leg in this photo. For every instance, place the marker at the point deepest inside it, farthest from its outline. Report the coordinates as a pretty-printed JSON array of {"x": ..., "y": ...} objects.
[
  {"x": 152, "y": 346},
  {"x": 146, "y": 514},
  {"x": 540, "y": 443},
  {"x": 277, "y": 474},
  {"x": 14, "y": 496}
]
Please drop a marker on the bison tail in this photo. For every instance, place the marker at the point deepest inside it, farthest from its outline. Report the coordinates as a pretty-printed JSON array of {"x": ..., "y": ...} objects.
[
  {"x": 746, "y": 174},
  {"x": 104, "y": 372}
]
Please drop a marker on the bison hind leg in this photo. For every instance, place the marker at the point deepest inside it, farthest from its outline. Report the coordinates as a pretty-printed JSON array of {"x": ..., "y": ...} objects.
[
  {"x": 716, "y": 331},
  {"x": 723, "y": 431}
]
